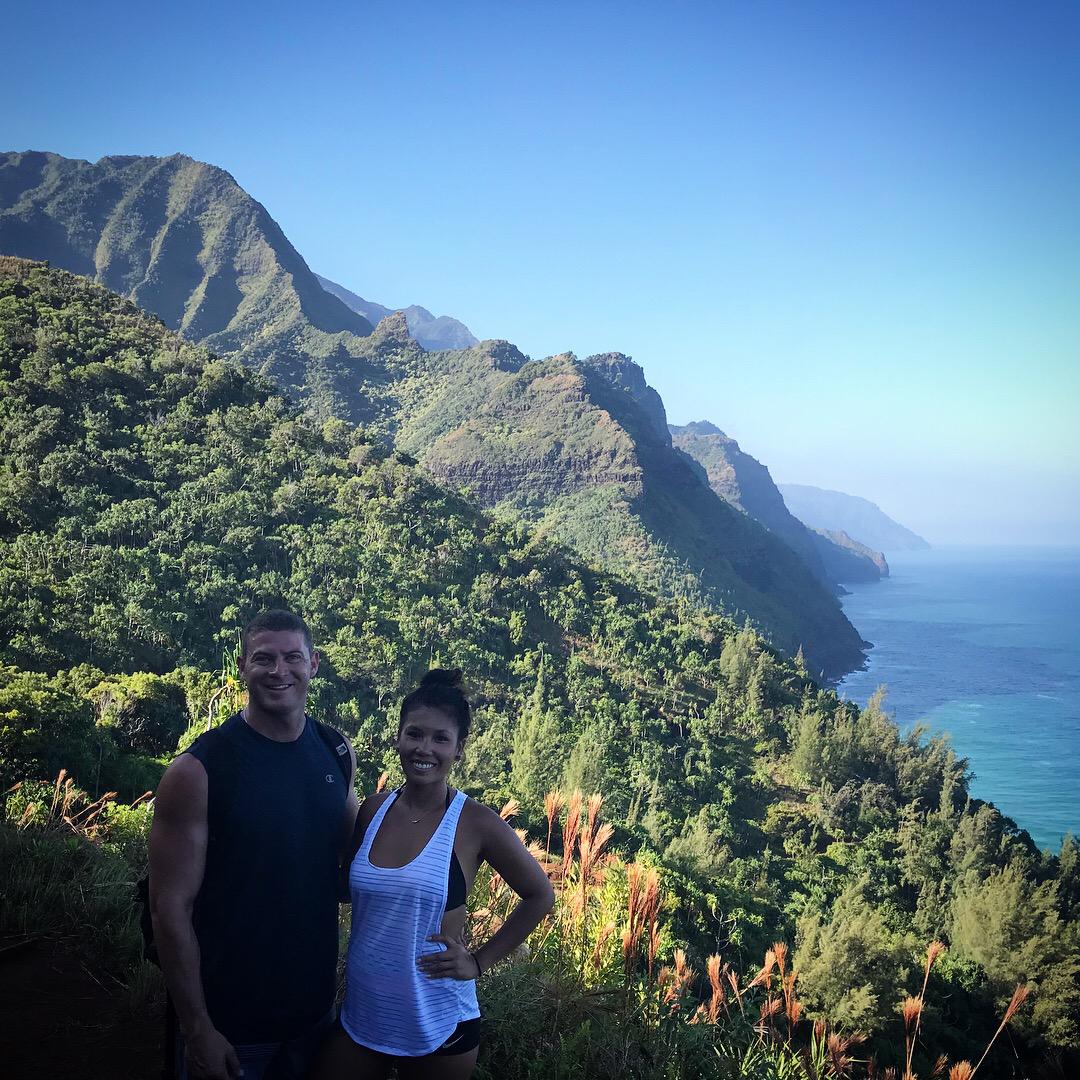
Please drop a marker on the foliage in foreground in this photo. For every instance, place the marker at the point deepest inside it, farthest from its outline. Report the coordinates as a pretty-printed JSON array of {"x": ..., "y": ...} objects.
[
  {"x": 602, "y": 989},
  {"x": 139, "y": 530}
]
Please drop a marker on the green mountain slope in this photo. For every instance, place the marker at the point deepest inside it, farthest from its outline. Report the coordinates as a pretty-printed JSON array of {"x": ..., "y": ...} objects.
[
  {"x": 184, "y": 240},
  {"x": 582, "y": 446},
  {"x": 745, "y": 483},
  {"x": 138, "y": 529}
]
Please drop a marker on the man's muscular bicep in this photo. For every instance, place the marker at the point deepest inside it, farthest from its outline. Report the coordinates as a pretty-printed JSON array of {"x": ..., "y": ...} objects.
[{"x": 178, "y": 836}]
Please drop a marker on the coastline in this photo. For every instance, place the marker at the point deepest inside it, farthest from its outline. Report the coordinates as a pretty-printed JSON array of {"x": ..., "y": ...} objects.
[{"x": 983, "y": 643}]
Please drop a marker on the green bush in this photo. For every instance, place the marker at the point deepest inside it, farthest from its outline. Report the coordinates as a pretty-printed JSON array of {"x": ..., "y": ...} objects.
[
  {"x": 43, "y": 728},
  {"x": 144, "y": 713}
]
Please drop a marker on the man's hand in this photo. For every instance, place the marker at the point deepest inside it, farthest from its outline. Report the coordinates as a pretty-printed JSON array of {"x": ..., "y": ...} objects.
[{"x": 210, "y": 1056}]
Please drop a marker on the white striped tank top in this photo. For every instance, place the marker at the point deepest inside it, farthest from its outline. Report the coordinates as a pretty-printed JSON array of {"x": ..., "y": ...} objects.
[{"x": 390, "y": 1004}]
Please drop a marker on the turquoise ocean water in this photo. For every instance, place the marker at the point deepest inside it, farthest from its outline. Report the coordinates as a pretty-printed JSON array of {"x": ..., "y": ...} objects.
[{"x": 984, "y": 643}]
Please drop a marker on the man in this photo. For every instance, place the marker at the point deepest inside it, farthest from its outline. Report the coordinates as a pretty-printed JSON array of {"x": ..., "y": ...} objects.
[{"x": 249, "y": 825}]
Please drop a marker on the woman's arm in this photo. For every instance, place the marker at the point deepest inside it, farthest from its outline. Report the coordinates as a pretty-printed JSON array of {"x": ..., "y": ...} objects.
[{"x": 506, "y": 854}]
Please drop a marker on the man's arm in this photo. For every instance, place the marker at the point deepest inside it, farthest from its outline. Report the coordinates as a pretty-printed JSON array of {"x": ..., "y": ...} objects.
[
  {"x": 178, "y": 837},
  {"x": 352, "y": 804}
]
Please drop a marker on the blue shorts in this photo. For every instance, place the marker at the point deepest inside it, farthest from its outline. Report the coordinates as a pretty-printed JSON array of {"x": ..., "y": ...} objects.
[{"x": 288, "y": 1060}]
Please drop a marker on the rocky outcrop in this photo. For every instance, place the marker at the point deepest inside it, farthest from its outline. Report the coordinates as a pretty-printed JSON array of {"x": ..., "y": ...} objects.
[{"x": 582, "y": 448}]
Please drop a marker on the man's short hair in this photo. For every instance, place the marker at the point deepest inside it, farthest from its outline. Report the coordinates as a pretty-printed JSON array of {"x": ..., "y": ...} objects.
[{"x": 277, "y": 619}]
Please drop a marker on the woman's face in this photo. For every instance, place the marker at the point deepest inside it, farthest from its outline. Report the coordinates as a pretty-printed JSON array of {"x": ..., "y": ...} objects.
[{"x": 428, "y": 745}]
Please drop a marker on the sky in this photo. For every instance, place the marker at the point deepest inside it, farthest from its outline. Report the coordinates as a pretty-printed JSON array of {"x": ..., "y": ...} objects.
[{"x": 846, "y": 233}]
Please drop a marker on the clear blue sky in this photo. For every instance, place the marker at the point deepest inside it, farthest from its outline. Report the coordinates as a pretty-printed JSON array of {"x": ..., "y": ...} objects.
[{"x": 847, "y": 233}]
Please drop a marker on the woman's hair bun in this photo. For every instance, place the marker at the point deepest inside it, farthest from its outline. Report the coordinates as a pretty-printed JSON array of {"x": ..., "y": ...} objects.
[
  {"x": 442, "y": 677},
  {"x": 441, "y": 689}
]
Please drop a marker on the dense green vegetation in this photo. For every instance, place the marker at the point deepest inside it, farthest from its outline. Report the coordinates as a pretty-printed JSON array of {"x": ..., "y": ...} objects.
[
  {"x": 183, "y": 240},
  {"x": 151, "y": 497}
]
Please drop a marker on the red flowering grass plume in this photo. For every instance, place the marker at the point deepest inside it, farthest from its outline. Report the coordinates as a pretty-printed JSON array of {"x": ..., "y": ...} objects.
[
  {"x": 911, "y": 1010},
  {"x": 717, "y": 999},
  {"x": 837, "y": 1047},
  {"x": 635, "y": 888},
  {"x": 764, "y": 976},
  {"x": 780, "y": 951},
  {"x": 962, "y": 1070},
  {"x": 509, "y": 809},
  {"x": 644, "y": 909},
  {"x": 570, "y": 831},
  {"x": 380, "y": 784},
  {"x": 596, "y": 800},
  {"x": 674, "y": 980},
  {"x": 733, "y": 979},
  {"x": 911, "y": 1034},
  {"x": 939, "y": 1068},
  {"x": 594, "y": 837},
  {"x": 769, "y": 1008},
  {"x": 553, "y": 804},
  {"x": 629, "y": 949},
  {"x": 792, "y": 1005}
]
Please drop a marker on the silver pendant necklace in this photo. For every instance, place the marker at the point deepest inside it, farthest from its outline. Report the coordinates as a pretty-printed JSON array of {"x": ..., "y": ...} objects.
[{"x": 417, "y": 820}]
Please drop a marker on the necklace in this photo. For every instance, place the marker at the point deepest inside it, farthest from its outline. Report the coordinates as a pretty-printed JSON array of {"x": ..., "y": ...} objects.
[{"x": 415, "y": 820}]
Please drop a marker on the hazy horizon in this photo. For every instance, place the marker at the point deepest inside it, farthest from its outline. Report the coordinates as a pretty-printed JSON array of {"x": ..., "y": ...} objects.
[{"x": 849, "y": 237}]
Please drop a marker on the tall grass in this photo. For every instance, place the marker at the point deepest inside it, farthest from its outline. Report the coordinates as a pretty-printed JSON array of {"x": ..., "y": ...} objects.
[
  {"x": 602, "y": 989},
  {"x": 68, "y": 865}
]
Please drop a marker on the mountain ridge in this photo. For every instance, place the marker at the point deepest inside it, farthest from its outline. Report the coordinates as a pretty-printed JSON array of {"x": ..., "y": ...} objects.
[
  {"x": 861, "y": 519},
  {"x": 434, "y": 332},
  {"x": 746, "y": 484}
]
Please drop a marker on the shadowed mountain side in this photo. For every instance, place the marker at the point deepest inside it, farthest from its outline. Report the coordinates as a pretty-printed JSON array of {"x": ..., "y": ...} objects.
[
  {"x": 820, "y": 508},
  {"x": 185, "y": 241},
  {"x": 746, "y": 484},
  {"x": 432, "y": 331},
  {"x": 582, "y": 448}
]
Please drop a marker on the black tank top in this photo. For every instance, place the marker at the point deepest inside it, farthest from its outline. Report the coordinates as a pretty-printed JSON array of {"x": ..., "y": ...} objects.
[{"x": 266, "y": 917}]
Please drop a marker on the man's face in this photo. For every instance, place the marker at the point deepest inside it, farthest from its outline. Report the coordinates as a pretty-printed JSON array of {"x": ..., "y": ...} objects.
[{"x": 276, "y": 668}]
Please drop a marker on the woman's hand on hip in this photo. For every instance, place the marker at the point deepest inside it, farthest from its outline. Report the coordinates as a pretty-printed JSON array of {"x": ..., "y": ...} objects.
[{"x": 454, "y": 962}]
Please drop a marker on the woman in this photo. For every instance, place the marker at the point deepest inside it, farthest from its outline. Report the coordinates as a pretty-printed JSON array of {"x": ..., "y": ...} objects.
[{"x": 410, "y": 996}]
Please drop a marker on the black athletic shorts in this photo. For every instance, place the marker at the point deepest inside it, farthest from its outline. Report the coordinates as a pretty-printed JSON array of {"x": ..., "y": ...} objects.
[{"x": 466, "y": 1037}]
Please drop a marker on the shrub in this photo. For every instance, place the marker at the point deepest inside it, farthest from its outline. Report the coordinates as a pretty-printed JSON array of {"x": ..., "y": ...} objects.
[
  {"x": 145, "y": 713},
  {"x": 43, "y": 728}
]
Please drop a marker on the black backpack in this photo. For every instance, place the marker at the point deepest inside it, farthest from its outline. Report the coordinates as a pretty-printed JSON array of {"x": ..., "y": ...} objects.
[{"x": 337, "y": 744}]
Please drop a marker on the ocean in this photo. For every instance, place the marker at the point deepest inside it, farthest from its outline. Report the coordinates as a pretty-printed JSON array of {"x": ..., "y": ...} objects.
[{"x": 984, "y": 643}]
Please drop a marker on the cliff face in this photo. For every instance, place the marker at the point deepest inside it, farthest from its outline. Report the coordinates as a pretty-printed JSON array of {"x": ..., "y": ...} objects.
[
  {"x": 846, "y": 559},
  {"x": 746, "y": 484},
  {"x": 582, "y": 448},
  {"x": 859, "y": 518}
]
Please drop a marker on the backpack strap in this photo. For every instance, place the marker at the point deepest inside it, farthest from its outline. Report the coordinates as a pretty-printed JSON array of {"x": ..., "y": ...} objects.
[{"x": 339, "y": 747}]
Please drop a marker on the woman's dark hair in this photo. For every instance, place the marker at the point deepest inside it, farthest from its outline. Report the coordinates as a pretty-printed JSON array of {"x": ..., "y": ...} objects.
[{"x": 440, "y": 689}]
